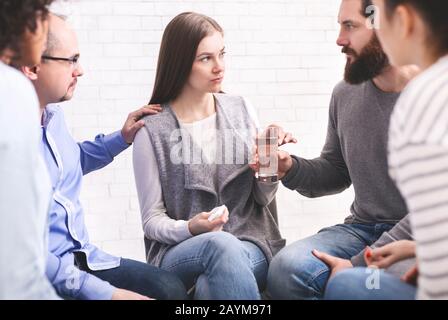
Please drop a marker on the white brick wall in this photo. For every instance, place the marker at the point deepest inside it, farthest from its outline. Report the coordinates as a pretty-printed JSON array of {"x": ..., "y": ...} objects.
[{"x": 281, "y": 55}]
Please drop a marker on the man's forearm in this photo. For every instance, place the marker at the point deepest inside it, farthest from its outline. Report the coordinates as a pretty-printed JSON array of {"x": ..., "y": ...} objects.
[{"x": 316, "y": 178}]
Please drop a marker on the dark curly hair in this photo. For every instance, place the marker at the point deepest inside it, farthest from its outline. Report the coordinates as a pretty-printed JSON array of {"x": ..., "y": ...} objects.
[{"x": 17, "y": 16}]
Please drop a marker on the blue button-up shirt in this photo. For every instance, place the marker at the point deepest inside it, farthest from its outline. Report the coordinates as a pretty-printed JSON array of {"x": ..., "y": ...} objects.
[{"x": 67, "y": 162}]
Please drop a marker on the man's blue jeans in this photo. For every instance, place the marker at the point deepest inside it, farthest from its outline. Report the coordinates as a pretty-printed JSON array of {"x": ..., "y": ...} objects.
[
  {"x": 144, "y": 279},
  {"x": 219, "y": 265},
  {"x": 368, "y": 284},
  {"x": 295, "y": 273}
]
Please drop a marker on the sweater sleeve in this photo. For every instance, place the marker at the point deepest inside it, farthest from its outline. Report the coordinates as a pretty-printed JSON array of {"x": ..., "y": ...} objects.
[{"x": 157, "y": 224}]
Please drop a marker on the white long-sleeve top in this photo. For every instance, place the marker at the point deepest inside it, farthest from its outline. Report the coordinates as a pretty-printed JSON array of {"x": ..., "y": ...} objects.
[
  {"x": 25, "y": 192},
  {"x": 418, "y": 161},
  {"x": 156, "y": 223}
]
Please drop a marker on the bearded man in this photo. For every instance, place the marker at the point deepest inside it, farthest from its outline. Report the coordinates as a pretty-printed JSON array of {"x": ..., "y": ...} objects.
[{"x": 355, "y": 152}]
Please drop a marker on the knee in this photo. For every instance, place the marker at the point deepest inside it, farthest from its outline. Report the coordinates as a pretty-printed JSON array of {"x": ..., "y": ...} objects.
[
  {"x": 280, "y": 275},
  {"x": 225, "y": 253},
  {"x": 288, "y": 264},
  {"x": 281, "y": 265},
  {"x": 224, "y": 243},
  {"x": 295, "y": 274}
]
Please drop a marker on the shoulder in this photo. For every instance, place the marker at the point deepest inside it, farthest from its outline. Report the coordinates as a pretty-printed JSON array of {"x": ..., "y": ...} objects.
[
  {"x": 233, "y": 103},
  {"x": 427, "y": 91},
  {"x": 421, "y": 104},
  {"x": 344, "y": 89},
  {"x": 236, "y": 107},
  {"x": 341, "y": 87},
  {"x": 347, "y": 98},
  {"x": 229, "y": 99},
  {"x": 159, "y": 117},
  {"x": 15, "y": 87},
  {"x": 429, "y": 84},
  {"x": 141, "y": 139},
  {"x": 18, "y": 102},
  {"x": 161, "y": 125},
  {"x": 13, "y": 79}
]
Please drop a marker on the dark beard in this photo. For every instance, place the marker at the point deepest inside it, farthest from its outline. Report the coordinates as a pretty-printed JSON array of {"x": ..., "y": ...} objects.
[{"x": 368, "y": 64}]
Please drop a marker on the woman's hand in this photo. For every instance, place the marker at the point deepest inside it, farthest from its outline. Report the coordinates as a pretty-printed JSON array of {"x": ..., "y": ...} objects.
[
  {"x": 200, "y": 224},
  {"x": 389, "y": 254}
]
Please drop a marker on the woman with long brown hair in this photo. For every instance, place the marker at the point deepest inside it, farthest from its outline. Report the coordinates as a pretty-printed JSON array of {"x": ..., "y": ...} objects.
[{"x": 193, "y": 157}]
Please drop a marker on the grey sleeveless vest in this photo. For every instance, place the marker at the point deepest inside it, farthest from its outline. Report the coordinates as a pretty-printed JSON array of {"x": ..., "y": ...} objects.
[{"x": 188, "y": 187}]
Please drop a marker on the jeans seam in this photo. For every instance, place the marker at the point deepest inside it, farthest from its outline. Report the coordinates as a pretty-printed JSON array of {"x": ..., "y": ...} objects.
[
  {"x": 177, "y": 263},
  {"x": 256, "y": 263},
  {"x": 312, "y": 279}
]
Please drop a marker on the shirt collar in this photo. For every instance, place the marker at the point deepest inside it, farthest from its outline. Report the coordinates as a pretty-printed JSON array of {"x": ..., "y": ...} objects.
[{"x": 47, "y": 116}]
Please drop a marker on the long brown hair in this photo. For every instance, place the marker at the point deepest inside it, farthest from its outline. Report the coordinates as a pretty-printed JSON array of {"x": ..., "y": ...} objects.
[{"x": 180, "y": 42}]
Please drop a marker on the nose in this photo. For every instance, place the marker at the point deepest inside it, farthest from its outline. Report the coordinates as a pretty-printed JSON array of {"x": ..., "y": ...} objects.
[
  {"x": 78, "y": 71},
  {"x": 219, "y": 66},
  {"x": 342, "y": 39}
]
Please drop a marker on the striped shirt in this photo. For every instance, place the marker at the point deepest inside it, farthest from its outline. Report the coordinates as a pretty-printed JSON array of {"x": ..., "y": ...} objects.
[{"x": 418, "y": 162}]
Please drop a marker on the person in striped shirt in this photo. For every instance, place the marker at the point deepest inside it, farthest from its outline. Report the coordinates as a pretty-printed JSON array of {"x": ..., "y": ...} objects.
[{"x": 415, "y": 31}]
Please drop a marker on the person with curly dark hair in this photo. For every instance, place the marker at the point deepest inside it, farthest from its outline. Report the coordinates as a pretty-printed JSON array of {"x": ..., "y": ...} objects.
[
  {"x": 24, "y": 183},
  {"x": 23, "y": 30}
]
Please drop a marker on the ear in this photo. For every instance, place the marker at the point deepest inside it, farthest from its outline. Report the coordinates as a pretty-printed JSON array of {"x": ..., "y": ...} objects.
[
  {"x": 31, "y": 72},
  {"x": 405, "y": 20}
]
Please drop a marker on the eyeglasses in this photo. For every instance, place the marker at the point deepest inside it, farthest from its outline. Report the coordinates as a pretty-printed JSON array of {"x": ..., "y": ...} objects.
[{"x": 73, "y": 61}]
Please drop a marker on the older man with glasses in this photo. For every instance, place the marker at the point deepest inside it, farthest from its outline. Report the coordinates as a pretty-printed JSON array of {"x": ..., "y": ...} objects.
[{"x": 77, "y": 268}]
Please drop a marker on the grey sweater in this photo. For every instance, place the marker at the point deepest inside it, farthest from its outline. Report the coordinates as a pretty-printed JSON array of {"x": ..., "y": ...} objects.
[
  {"x": 189, "y": 188},
  {"x": 355, "y": 152}
]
